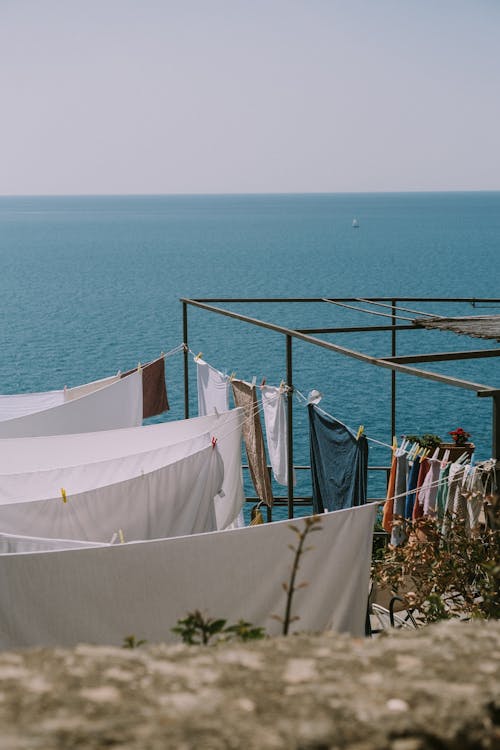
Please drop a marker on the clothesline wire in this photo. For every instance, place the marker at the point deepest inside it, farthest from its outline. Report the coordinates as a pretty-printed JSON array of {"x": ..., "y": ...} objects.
[
  {"x": 397, "y": 307},
  {"x": 361, "y": 309}
]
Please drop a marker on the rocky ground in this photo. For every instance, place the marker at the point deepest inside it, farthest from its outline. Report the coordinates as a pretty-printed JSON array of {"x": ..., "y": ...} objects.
[{"x": 428, "y": 690}]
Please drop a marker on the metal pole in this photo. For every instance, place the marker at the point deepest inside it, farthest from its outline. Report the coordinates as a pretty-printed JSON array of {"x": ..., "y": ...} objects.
[
  {"x": 495, "y": 437},
  {"x": 289, "y": 382},
  {"x": 186, "y": 359},
  {"x": 393, "y": 372}
]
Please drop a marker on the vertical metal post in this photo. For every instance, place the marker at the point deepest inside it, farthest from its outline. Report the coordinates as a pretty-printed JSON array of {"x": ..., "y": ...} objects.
[
  {"x": 495, "y": 437},
  {"x": 186, "y": 359},
  {"x": 289, "y": 382},
  {"x": 393, "y": 372}
]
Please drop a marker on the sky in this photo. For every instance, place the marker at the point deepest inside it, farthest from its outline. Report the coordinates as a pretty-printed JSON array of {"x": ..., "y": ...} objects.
[{"x": 248, "y": 96}]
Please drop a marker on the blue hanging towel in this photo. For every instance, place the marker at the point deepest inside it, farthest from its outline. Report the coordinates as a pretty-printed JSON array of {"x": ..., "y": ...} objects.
[{"x": 339, "y": 463}]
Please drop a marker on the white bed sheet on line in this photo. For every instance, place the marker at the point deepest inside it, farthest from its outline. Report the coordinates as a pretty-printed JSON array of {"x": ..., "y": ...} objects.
[
  {"x": 117, "y": 404},
  {"x": 14, "y": 543},
  {"x": 92, "y": 450},
  {"x": 173, "y": 500},
  {"x": 101, "y": 595}
]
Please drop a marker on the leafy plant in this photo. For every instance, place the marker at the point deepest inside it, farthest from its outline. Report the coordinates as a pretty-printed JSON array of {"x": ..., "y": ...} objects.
[
  {"x": 197, "y": 629},
  {"x": 130, "y": 641},
  {"x": 443, "y": 576},
  {"x": 428, "y": 440},
  {"x": 310, "y": 524}
]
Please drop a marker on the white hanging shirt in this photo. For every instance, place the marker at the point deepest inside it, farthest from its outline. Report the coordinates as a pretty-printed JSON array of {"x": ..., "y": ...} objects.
[{"x": 213, "y": 389}]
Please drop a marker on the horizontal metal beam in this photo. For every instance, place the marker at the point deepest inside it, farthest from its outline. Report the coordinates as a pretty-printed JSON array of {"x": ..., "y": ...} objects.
[
  {"x": 343, "y": 350},
  {"x": 445, "y": 356},
  {"x": 469, "y": 300},
  {"x": 358, "y": 329}
]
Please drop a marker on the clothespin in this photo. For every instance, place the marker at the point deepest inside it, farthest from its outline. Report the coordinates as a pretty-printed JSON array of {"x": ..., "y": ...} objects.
[
  {"x": 198, "y": 356},
  {"x": 263, "y": 382},
  {"x": 214, "y": 441},
  {"x": 254, "y": 380},
  {"x": 139, "y": 367},
  {"x": 63, "y": 495},
  {"x": 122, "y": 538},
  {"x": 113, "y": 538},
  {"x": 361, "y": 429},
  {"x": 232, "y": 376}
]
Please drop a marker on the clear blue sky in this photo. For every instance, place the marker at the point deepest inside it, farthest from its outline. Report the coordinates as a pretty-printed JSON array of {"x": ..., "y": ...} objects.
[{"x": 228, "y": 96}]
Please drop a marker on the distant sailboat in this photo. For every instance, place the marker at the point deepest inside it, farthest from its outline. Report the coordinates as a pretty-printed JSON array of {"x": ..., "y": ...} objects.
[{"x": 355, "y": 224}]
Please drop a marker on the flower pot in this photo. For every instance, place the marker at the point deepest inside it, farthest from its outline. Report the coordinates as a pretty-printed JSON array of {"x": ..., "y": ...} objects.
[{"x": 456, "y": 450}]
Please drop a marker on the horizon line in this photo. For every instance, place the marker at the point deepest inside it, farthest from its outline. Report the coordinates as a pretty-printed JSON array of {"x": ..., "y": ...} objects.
[{"x": 248, "y": 194}]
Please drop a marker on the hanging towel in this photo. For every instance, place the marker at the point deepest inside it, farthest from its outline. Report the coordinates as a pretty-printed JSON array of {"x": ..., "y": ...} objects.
[
  {"x": 418, "y": 507},
  {"x": 412, "y": 488},
  {"x": 429, "y": 488},
  {"x": 442, "y": 494},
  {"x": 339, "y": 463},
  {"x": 245, "y": 395},
  {"x": 275, "y": 420},
  {"x": 389, "y": 502},
  {"x": 154, "y": 390},
  {"x": 398, "y": 533},
  {"x": 213, "y": 389}
]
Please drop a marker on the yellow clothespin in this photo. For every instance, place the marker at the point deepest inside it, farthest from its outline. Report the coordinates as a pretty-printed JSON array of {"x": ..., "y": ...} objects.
[
  {"x": 198, "y": 356},
  {"x": 139, "y": 367},
  {"x": 361, "y": 429},
  {"x": 63, "y": 495},
  {"x": 120, "y": 534},
  {"x": 394, "y": 444},
  {"x": 231, "y": 377}
]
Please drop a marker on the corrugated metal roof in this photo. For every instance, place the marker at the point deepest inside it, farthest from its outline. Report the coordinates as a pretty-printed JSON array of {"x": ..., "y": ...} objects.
[{"x": 479, "y": 326}]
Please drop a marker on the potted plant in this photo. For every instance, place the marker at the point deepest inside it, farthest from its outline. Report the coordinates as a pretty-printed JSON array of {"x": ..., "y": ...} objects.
[{"x": 460, "y": 444}]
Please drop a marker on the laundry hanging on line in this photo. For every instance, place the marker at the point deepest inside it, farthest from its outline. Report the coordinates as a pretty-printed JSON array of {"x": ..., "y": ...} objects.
[
  {"x": 245, "y": 396},
  {"x": 36, "y": 468},
  {"x": 154, "y": 389},
  {"x": 213, "y": 389},
  {"x": 95, "y": 595},
  {"x": 339, "y": 463},
  {"x": 116, "y": 404},
  {"x": 157, "y": 494}
]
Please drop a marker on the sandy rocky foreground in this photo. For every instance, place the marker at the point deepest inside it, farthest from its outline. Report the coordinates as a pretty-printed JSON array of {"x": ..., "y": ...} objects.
[{"x": 428, "y": 690}]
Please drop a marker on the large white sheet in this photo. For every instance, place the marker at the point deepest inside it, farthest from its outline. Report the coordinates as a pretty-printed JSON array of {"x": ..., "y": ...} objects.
[
  {"x": 117, "y": 404},
  {"x": 176, "y": 499},
  {"x": 103, "y": 594},
  {"x": 84, "y": 457}
]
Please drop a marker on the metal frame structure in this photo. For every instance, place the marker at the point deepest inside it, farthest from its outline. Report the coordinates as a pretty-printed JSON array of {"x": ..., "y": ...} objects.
[{"x": 403, "y": 364}]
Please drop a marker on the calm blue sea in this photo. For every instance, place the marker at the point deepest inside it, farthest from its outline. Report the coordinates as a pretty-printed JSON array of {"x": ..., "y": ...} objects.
[{"x": 90, "y": 285}]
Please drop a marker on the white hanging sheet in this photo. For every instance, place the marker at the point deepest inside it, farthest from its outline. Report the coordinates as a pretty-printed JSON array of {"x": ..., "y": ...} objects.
[
  {"x": 118, "y": 404},
  {"x": 101, "y": 595},
  {"x": 275, "y": 419},
  {"x": 213, "y": 389},
  {"x": 13, "y": 543},
  {"x": 176, "y": 499},
  {"x": 36, "y": 468}
]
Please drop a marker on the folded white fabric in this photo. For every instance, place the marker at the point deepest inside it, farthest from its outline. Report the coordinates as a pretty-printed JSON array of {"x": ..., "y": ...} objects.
[
  {"x": 100, "y": 595},
  {"x": 114, "y": 405},
  {"x": 213, "y": 389}
]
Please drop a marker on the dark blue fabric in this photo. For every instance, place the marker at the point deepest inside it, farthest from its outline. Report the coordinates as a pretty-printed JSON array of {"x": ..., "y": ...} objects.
[
  {"x": 412, "y": 488},
  {"x": 339, "y": 463}
]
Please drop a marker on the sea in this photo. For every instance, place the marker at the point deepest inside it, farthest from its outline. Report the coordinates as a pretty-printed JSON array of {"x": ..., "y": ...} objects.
[{"x": 92, "y": 285}]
